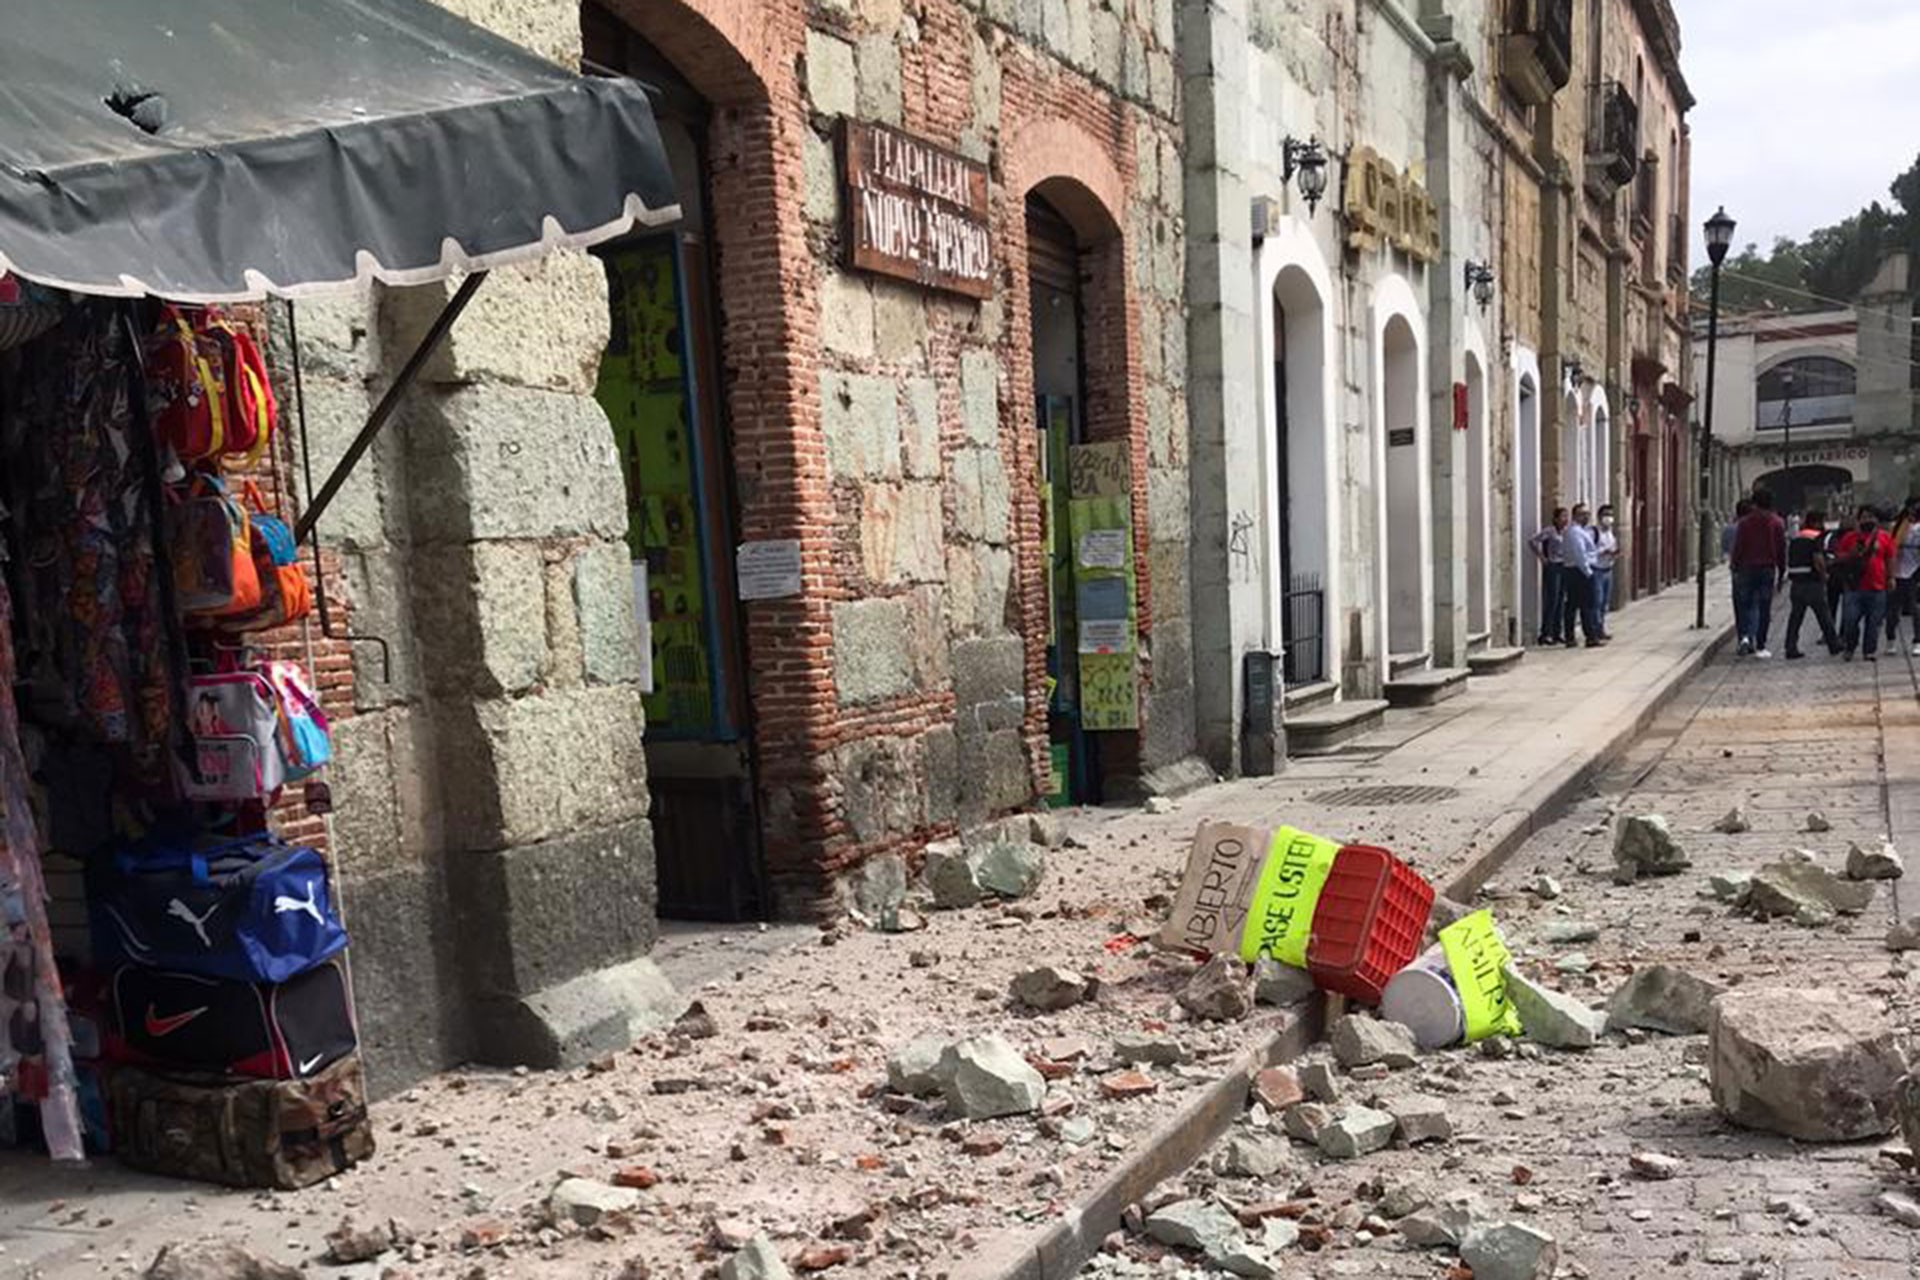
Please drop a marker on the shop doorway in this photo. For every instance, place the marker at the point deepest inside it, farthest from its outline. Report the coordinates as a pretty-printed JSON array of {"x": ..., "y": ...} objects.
[
  {"x": 1528, "y": 510},
  {"x": 1602, "y": 468},
  {"x": 1059, "y": 391},
  {"x": 1301, "y": 514},
  {"x": 660, "y": 387},
  {"x": 1576, "y": 455},
  {"x": 1478, "y": 621},
  {"x": 1641, "y": 531},
  {"x": 1404, "y": 535},
  {"x": 1670, "y": 510}
]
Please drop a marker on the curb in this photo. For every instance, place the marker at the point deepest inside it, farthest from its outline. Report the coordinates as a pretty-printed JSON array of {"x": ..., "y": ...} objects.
[{"x": 1059, "y": 1250}]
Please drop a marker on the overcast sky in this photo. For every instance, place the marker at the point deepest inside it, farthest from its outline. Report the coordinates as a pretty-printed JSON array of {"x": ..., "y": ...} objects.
[{"x": 1808, "y": 108}]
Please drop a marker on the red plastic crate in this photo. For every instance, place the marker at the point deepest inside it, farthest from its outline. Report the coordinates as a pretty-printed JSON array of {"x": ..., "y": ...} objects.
[{"x": 1368, "y": 924}]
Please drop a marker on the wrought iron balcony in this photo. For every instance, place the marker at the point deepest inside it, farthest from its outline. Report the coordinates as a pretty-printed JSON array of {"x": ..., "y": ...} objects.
[
  {"x": 1613, "y": 138},
  {"x": 1536, "y": 53}
]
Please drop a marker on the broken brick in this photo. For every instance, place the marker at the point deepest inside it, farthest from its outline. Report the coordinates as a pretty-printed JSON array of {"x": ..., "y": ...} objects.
[{"x": 1129, "y": 1084}]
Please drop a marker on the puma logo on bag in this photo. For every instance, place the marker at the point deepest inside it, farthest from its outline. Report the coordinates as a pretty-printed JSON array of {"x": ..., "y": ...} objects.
[
  {"x": 283, "y": 904},
  {"x": 181, "y": 911}
]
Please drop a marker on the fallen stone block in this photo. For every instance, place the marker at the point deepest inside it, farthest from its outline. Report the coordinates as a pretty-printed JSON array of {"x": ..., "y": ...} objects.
[
  {"x": 1010, "y": 869},
  {"x": 1734, "y": 822},
  {"x": 756, "y": 1260},
  {"x": 1817, "y": 822},
  {"x": 1355, "y": 1132},
  {"x": 1551, "y": 1017},
  {"x": 952, "y": 875},
  {"x": 984, "y": 1077},
  {"x": 1662, "y": 998},
  {"x": 1049, "y": 988},
  {"x": 1510, "y": 1251},
  {"x": 1048, "y": 830},
  {"x": 349, "y": 1242},
  {"x": 1200, "y": 1225},
  {"x": 1250, "y": 1157},
  {"x": 1654, "y": 1166},
  {"x": 1643, "y": 845},
  {"x": 915, "y": 1066},
  {"x": 1219, "y": 991},
  {"x": 1902, "y": 1208},
  {"x": 585, "y": 1201},
  {"x": 213, "y": 1260},
  {"x": 1906, "y": 1107},
  {"x": 1806, "y": 893},
  {"x": 1421, "y": 1119},
  {"x": 1306, "y": 1121},
  {"x": 1280, "y": 984},
  {"x": 1811, "y": 1064},
  {"x": 1544, "y": 887},
  {"x": 1904, "y": 935},
  {"x": 1566, "y": 932},
  {"x": 1882, "y": 862},
  {"x": 1358, "y": 1040},
  {"x": 1730, "y": 886},
  {"x": 1320, "y": 1082},
  {"x": 1242, "y": 1257},
  {"x": 1150, "y": 1047}
]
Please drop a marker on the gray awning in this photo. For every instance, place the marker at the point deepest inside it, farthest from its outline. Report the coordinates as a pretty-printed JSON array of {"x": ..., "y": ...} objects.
[{"x": 215, "y": 150}]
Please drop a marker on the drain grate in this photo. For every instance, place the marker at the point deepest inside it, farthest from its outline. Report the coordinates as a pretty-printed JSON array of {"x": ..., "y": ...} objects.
[{"x": 1384, "y": 795}]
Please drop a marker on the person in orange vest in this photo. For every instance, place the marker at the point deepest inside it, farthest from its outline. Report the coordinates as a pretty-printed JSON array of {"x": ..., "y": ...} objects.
[{"x": 1807, "y": 583}]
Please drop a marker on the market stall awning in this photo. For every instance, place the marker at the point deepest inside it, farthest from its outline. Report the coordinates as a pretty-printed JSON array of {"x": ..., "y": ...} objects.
[{"x": 214, "y": 150}]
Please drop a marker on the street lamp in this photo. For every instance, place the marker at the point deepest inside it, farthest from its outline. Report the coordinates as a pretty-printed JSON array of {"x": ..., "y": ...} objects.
[
  {"x": 1786, "y": 427},
  {"x": 1719, "y": 231},
  {"x": 1309, "y": 160},
  {"x": 1479, "y": 279}
]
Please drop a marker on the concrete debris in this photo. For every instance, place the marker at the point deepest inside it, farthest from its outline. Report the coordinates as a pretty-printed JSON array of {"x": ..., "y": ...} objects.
[
  {"x": 1078, "y": 1131},
  {"x": 1643, "y": 845},
  {"x": 1817, "y": 822},
  {"x": 1160, "y": 805},
  {"x": 1903, "y": 1209},
  {"x": 1048, "y": 830},
  {"x": 1009, "y": 869},
  {"x": 1050, "y": 988},
  {"x": 214, "y": 1260},
  {"x": 1653, "y": 1166},
  {"x": 1562, "y": 933},
  {"x": 1280, "y": 984},
  {"x": 1510, "y": 1251},
  {"x": 757, "y": 1260},
  {"x": 1662, "y": 998},
  {"x": 1421, "y": 1119},
  {"x": 1151, "y": 1047},
  {"x": 1904, "y": 935},
  {"x": 1879, "y": 863},
  {"x": 1249, "y": 1157},
  {"x": 1544, "y": 887},
  {"x": 880, "y": 890},
  {"x": 1730, "y": 886},
  {"x": 952, "y": 875},
  {"x": 1277, "y": 1088},
  {"x": 1807, "y": 894},
  {"x": 915, "y": 1066},
  {"x": 984, "y": 1077},
  {"x": 1812, "y": 1064},
  {"x": 1218, "y": 991},
  {"x": 1200, "y": 1225},
  {"x": 1320, "y": 1082},
  {"x": 1355, "y": 1132},
  {"x": 1307, "y": 1120},
  {"x": 1358, "y": 1040},
  {"x": 349, "y": 1243},
  {"x": 1241, "y": 1257},
  {"x": 1553, "y": 1018},
  {"x": 696, "y": 1023},
  {"x": 585, "y": 1201},
  {"x": 1442, "y": 1225},
  {"x": 1906, "y": 1106},
  {"x": 1734, "y": 822}
]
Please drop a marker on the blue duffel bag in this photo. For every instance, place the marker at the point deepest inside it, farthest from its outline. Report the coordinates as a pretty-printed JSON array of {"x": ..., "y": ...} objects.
[{"x": 252, "y": 910}]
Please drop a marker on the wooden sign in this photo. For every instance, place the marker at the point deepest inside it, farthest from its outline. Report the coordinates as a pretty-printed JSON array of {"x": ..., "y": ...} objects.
[{"x": 915, "y": 211}]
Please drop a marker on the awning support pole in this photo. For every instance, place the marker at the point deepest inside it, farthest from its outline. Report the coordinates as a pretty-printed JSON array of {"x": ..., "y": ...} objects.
[{"x": 388, "y": 403}]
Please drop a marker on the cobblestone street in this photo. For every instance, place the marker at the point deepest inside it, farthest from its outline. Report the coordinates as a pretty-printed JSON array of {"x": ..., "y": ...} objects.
[{"x": 1545, "y": 1138}]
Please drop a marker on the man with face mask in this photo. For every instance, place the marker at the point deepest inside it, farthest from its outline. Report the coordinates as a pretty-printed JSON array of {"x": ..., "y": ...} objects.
[
  {"x": 1866, "y": 555},
  {"x": 1605, "y": 553}
]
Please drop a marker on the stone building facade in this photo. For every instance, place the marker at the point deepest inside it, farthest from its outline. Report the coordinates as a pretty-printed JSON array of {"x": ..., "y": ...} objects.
[{"x": 703, "y": 569}]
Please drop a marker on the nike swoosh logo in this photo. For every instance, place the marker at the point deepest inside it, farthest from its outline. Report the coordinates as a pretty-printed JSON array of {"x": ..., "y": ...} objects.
[
  {"x": 158, "y": 1026},
  {"x": 311, "y": 1063}
]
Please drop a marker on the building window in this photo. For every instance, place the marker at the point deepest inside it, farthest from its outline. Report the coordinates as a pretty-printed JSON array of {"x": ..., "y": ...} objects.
[{"x": 1816, "y": 390}]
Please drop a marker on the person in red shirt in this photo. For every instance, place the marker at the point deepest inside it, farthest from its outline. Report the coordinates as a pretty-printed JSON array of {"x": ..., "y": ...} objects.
[
  {"x": 1759, "y": 557},
  {"x": 1866, "y": 557}
]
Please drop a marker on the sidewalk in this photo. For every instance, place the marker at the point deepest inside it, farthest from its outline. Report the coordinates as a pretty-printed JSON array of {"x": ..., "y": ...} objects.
[{"x": 775, "y": 1123}]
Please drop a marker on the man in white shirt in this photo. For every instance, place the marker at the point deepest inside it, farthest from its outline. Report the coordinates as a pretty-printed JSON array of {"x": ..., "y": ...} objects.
[
  {"x": 1580, "y": 552},
  {"x": 1606, "y": 554}
]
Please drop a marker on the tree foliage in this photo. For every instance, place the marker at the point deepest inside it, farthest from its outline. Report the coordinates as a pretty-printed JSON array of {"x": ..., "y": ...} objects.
[{"x": 1834, "y": 262}]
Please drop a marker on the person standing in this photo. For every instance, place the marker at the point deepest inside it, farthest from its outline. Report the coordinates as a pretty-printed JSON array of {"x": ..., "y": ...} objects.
[
  {"x": 1759, "y": 560},
  {"x": 1867, "y": 554},
  {"x": 1605, "y": 555},
  {"x": 1807, "y": 583},
  {"x": 1906, "y": 566},
  {"x": 1549, "y": 548},
  {"x": 1579, "y": 554},
  {"x": 1740, "y": 510}
]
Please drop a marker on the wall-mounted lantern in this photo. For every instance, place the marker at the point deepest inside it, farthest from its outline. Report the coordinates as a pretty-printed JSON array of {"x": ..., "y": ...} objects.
[
  {"x": 1479, "y": 277},
  {"x": 1309, "y": 160}
]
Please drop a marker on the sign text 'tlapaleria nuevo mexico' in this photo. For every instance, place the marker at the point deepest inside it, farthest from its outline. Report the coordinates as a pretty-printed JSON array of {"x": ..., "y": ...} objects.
[{"x": 916, "y": 211}]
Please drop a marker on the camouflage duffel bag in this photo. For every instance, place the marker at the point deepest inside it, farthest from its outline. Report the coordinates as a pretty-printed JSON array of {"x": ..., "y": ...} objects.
[{"x": 244, "y": 1133}]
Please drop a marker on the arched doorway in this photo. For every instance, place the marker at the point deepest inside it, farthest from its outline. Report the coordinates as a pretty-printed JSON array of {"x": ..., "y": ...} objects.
[
  {"x": 1528, "y": 510},
  {"x": 1802, "y": 488},
  {"x": 661, "y": 387},
  {"x": 1403, "y": 531},
  {"x": 1602, "y": 452},
  {"x": 1479, "y": 589},
  {"x": 1302, "y": 515},
  {"x": 1576, "y": 452}
]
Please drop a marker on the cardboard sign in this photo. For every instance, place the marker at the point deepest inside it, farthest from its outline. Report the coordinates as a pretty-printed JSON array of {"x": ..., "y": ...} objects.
[
  {"x": 1280, "y": 915},
  {"x": 1223, "y": 870},
  {"x": 1476, "y": 961}
]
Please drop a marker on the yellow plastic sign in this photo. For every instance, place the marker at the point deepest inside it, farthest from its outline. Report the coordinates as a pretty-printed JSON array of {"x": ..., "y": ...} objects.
[
  {"x": 1476, "y": 960},
  {"x": 1280, "y": 916}
]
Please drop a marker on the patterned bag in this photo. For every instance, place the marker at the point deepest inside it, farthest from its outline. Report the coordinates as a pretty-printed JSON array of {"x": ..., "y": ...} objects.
[
  {"x": 234, "y": 721},
  {"x": 211, "y": 537},
  {"x": 306, "y": 740}
]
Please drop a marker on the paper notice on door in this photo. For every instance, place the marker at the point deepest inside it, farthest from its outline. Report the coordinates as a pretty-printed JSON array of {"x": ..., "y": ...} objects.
[
  {"x": 643, "y": 625},
  {"x": 1103, "y": 549},
  {"x": 1097, "y": 636}
]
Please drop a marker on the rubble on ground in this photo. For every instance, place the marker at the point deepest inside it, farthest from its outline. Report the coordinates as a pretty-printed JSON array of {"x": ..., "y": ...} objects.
[
  {"x": 1356, "y": 1131},
  {"x": 1654, "y": 1166},
  {"x": 1358, "y": 1040},
  {"x": 1280, "y": 984},
  {"x": 349, "y": 1243},
  {"x": 1154, "y": 1048},
  {"x": 585, "y": 1201},
  {"x": 1200, "y": 1225},
  {"x": 1510, "y": 1251},
  {"x": 1445, "y": 1223},
  {"x": 1553, "y": 1018},
  {"x": 1904, "y": 935},
  {"x": 1882, "y": 862},
  {"x": 1643, "y": 845},
  {"x": 959, "y": 873},
  {"x": 1903, "y": 1209},
  {"x": 914, "y": 1067},
  {"x": 1662, "y": 998},
  {"x": 1049, "y": 988},
  {"x": 1906, "y": 1108},
  {"x": 1817, "y": 823},
  {"x": 1420, "y": 1118},
  {"x": 1804, "y": 892},
  {"x": 756, "y": 1260},
  {"x": 1219, "y": 991},
  {"x": 1734, "y": 822},
  {"x": 1809, "y": 1063},
  {"x": 984, "y": 1077},
  {"x": 214, "y": 1260},
  {"x": 1730, "y": 886}
]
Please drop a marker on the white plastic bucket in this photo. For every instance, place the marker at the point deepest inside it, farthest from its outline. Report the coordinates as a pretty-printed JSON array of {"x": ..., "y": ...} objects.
[{"x": 1422, "y": 998}]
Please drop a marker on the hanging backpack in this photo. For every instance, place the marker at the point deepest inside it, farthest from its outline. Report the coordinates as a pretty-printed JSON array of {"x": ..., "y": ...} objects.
[
  {"x": 285, "y": 595},
  {"x": 211, "y": 540},
  {"x": 233, "y": 719},
  {"x": 186, "y": 371},
  {"x": 250, "y": 409},
  {"x": 306, "y": 741}
]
